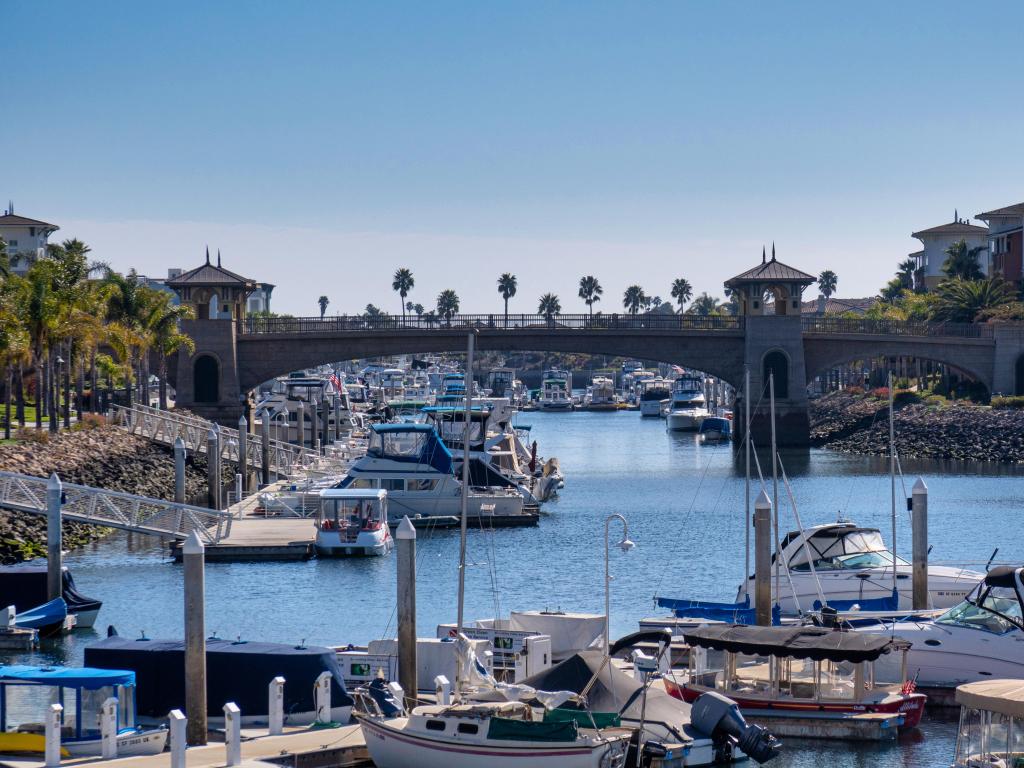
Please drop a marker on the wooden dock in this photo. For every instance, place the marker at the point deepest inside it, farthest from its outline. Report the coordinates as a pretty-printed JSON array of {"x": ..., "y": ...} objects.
[
  {"x": 341, "y": 747},
  {"x": 255, "y": 535}
]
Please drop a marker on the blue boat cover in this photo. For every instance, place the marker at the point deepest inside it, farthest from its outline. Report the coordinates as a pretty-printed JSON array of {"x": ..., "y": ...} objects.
[
  {"x": 432, "y": 450},
  {"x": 89, "y": 678},
  {"x": 43, "y": 616},
  {"x": 733, "y": 613},
  {"x": 887, "y": 603},
  {"x": 235, "y": 671}
]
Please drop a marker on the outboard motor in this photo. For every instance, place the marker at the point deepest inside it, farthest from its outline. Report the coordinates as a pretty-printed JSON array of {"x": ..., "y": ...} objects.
[{"x": 720, "y": 716}]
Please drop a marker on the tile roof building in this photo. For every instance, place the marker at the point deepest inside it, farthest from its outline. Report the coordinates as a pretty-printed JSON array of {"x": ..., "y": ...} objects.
[{"x": 26, "y": 239}]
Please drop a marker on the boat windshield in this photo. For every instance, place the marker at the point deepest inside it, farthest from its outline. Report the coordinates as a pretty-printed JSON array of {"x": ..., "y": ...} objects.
[
  {"x": 879, "y": 559},
  {"x": 995, "y": 612}
]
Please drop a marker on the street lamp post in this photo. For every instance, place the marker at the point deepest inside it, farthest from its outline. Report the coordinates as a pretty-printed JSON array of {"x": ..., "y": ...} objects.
[{"x": 625, "y": 545}]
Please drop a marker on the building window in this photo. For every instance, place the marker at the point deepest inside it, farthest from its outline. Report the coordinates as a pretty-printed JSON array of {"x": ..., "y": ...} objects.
[{"x": 12, "y": 243}]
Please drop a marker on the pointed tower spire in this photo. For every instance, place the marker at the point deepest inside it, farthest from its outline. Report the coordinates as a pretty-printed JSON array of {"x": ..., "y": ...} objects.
[
  {"x": 956, "y": 216},
  {"x": 773, "y": 250},
  {"x": 764, "y": 255},
  {"x": 218, "y": 257},
  {"x": 207, "y": 254}
]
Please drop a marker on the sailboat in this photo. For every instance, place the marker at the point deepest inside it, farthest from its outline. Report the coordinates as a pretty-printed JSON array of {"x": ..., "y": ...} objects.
[{"x": 468, "y": 733}]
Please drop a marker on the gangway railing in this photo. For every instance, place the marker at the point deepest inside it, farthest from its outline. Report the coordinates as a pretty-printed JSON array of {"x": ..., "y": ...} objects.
[
  {"x": 113, "y": 509},
  {"x": 165, "y": 426}
]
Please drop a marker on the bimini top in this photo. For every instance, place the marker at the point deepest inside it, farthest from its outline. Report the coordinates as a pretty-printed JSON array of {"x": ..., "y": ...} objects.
[
  {"x": 414, "y": 443},
  {"x": 1005, "y": 576},
  {"x": 89, "y": 678},
  {"x": 818, "y": 643},
  {"x": 1003, "y": 696}
]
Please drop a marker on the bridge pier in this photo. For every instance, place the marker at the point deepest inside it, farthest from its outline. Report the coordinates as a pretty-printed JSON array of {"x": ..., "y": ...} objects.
[
  {"x": 207, "y": 378},
  {"x": 774, "y": 344}
]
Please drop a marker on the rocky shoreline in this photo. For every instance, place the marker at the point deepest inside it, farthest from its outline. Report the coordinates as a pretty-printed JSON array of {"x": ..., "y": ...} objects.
[
  {"x": 106, "y": 457},
  {"x": 854, "y": 423}
]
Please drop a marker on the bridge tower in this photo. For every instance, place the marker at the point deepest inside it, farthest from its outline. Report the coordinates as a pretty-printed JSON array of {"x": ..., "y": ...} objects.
[
  {"x": 770, "y": 296},
  {"x": 207, "y": 378}
]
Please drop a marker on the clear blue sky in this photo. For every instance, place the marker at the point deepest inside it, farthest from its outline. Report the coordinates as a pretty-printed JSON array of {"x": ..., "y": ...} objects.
[{"x": 321, "y": 145}]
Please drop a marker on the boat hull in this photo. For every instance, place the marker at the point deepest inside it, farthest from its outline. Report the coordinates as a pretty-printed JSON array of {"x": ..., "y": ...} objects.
[
  {"x": 910, "y": 706},
  {"x": 650, "y": 408},
  {"x": 389, "y": 747},
  {"x": 683, "y": 421},
  {"x": 129, "y": 744},
  {"x": 366, "y": 544}
]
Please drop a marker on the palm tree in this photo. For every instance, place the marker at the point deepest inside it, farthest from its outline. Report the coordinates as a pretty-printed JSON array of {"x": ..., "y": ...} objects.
[
  {"x": 961, "y": 262},
  {"x": 827, "y": 283},
  {"x": 402, "y": 282},
  {"x": 704, "y": 305},
  {"x": 549, "y": 307},
  {"x": 681, "y": 291},
  {"x": 323, "y": 301},
  {"x": 633, "y": 299},
  {"x": 590, "y": 291},
  {"x": 905, "y": 273},
  {"x": 418, "y": 309},
  {"x": 507, "y": 288},
  {"x": 892, "y": 291},
  {"x": 163, "y": 318},
  {"x": 127, "y": 310},
  {"x": 447, "y": 304},
  {"x": 959, "y": 300}
]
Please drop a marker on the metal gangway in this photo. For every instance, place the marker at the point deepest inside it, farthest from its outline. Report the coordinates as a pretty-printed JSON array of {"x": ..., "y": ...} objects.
[
  {"x": 112, "y": 509},
  {"x": 165, "y": 426}
]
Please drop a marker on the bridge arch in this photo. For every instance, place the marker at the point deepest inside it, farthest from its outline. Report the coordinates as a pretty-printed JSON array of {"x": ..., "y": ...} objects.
[
  {"x": 206, "y": 378},
  {"x": 777, "y": 362},
  {"x": 261, "y": 358}
]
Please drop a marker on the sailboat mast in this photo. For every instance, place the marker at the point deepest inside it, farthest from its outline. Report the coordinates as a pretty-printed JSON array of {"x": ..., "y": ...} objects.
[
  {"x": 746, "y": 481},
  {"x": 892, "y": 481},
  {"x": 775, "y": 489},
  {"x": 465, "y": 481}
]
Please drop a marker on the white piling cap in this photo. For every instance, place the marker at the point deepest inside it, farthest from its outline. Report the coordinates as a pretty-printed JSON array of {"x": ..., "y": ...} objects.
[
  {"x": 919, "y": 486},
  {"x": 53, "y": 484},
  {"x": 179, "y": 444},
  {"x": 192, "y": 545},
  {"x": 242, "y": 421},
  {"x": 176, "y": 715},
  {"x": 406, "y": 530},
  {"x": 763, "y": 500},
  {"x": 211, "y": 435}
]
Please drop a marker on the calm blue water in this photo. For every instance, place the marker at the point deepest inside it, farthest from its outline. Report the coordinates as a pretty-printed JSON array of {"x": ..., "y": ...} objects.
[{"x": 684, "y": 504}]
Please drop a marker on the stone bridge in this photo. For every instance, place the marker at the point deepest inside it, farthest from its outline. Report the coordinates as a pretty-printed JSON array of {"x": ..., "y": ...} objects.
[{"x": 232, "y": 358}]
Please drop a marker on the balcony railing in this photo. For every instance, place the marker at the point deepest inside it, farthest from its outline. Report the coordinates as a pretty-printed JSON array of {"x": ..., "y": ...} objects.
[
  {"x": 846, "y": 325},
  {"x": 392, "y": 323}
]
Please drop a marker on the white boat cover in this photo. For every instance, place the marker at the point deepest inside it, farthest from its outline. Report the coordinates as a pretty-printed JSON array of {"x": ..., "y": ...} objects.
[
  {"x": 1003, "y": 696},
  {"x": 569, "y": 632},
  {"x": 478, "y": 683}
]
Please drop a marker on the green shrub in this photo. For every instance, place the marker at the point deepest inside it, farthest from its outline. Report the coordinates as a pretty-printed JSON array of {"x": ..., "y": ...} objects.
[{"x": 1008, "y": 402}]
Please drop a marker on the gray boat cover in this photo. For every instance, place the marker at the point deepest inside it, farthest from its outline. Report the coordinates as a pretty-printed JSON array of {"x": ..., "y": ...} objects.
[{"x": 665, "y": 718}]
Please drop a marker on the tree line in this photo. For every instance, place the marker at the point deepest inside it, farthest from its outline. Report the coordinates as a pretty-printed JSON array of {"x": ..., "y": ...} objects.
[{"x": 69, "y": 322}]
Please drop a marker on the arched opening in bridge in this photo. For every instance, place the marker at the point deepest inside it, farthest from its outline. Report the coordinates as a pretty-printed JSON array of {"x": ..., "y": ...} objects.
[
  {"x": 776, "y": 363},
  {"x": 1018, "y": 386},
  {"x": 206, "y": 379}
]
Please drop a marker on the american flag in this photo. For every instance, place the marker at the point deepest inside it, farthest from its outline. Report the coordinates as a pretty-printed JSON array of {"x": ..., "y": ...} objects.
[{"x": 333, "y": 378}]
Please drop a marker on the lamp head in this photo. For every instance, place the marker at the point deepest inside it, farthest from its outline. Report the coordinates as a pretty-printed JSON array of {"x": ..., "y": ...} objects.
[{"x": 626, "y": 544}]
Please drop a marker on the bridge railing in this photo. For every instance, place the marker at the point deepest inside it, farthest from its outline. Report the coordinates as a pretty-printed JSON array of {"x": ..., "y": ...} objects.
[
  {"x": 844, "y": 325},
  {"x": 498, "y": 321}
]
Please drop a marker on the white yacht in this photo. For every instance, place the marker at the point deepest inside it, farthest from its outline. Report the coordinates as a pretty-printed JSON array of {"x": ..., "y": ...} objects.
[
  {"x": 500, "y": 382},
  {"x": 601, "y": 395},
  {"x": 652, "y": 393},
  {"x": 980, "y": 638},
  {"x": 687, "y": 408},
  {"x": 411, "y": 463},
  {"x": 556, "y": 391},
  {"x": 282, "y": 406},
  {"x": 851, "y": 567},
  {"x": 352, "y": 522}
]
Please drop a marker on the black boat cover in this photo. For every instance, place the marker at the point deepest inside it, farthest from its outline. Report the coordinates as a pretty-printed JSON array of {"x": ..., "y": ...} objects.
[
  {"x": 235, "y": 671},
  {"x": 482, "y": 475},
  {"x": 24, "y": 587},
  {"x": 1003, "y": 576},
  {"x": 619, "y": 692},
  {"x": 818, "y": 643}
]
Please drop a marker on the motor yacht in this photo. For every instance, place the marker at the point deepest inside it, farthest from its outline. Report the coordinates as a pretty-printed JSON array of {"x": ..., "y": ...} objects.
[
  {"x": 652, "y": 393},
  {"x": 411, "y": 463},
  {"x": 979, "y": 638},
  {"x": 687, "y": 407},
  {"x": 556, "y": 391},
  {"x": 852, "y": 566},
  {"x": 601, "y": 395}
]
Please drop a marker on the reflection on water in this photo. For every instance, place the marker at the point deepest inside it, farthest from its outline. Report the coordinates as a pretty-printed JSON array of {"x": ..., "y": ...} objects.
[{"x": 684, "y": 504}]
